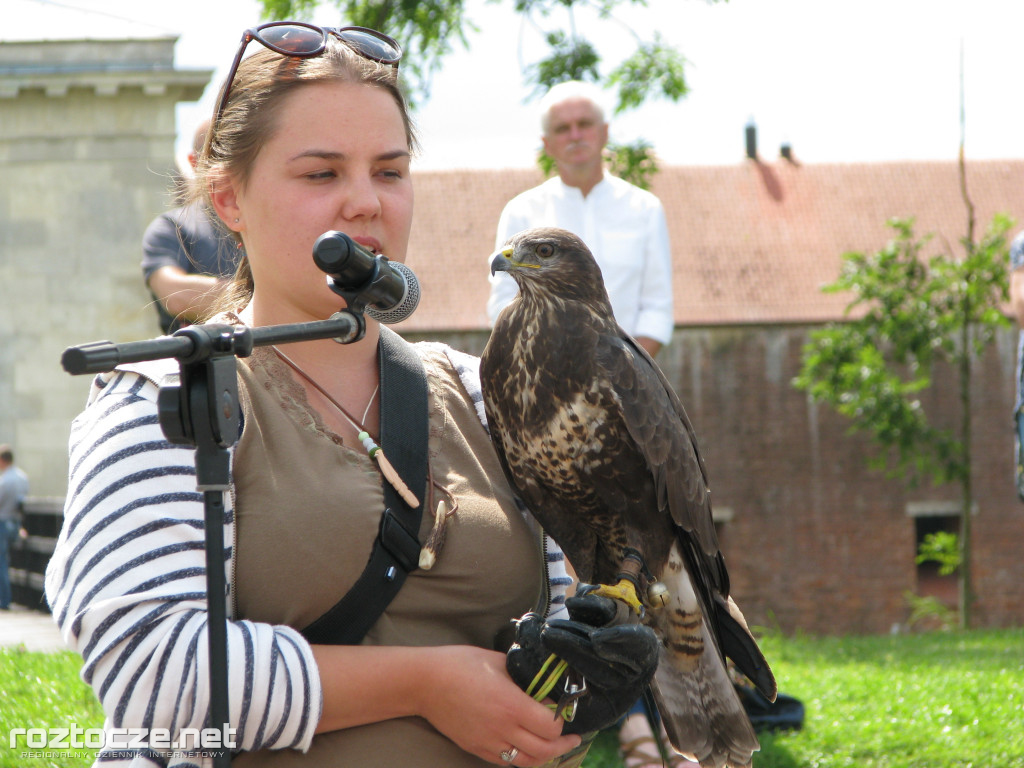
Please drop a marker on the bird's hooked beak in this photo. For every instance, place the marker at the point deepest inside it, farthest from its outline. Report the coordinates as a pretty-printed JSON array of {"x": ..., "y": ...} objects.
[{"x": 501, "y": 261}]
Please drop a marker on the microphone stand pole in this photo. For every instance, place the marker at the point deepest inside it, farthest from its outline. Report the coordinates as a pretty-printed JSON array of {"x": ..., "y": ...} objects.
[{"x": 203, "y": 411}]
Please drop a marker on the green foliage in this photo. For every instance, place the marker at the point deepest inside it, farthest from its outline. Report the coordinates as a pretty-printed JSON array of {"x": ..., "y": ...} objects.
[
  {"x": 942, "y": 547},
  {"x": 289, "y": 9},
  {"x": 928, "y": 612},
  {"x": 636, "y": 163},
  {"x": 571, "y": 59},
  {"x": 653, "y": 64},
  {"x": 427, "y": 30},
  {"x": 907, "y": 313}
]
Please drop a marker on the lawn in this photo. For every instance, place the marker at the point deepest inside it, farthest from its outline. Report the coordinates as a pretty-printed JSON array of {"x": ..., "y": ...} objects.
[
  {"x": 910, "y": 701},
  {"x": 942, "y": 700}
]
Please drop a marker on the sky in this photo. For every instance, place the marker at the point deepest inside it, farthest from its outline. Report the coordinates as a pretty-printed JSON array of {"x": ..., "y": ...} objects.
[{"x": 871, "y": 81}]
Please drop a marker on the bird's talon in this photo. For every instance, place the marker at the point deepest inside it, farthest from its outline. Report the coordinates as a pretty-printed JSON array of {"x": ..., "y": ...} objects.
[{"x": 625, "y": 591}]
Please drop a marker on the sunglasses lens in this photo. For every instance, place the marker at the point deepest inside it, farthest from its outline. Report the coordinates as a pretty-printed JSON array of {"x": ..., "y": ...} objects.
[
  {"x": 369, "y": 45},
  {"x": 292, "y": 39}
]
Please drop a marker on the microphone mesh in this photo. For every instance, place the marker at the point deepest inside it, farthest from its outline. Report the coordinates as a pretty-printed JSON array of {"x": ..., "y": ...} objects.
[{"x": 404, "y": 308}]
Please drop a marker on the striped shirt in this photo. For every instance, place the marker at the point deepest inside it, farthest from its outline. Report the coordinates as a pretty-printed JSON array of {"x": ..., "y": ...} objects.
[{"x": 127, "y": 585}]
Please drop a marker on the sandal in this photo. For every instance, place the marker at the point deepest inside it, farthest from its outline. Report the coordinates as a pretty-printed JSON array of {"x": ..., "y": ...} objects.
[{"x": 644, "y": 749}]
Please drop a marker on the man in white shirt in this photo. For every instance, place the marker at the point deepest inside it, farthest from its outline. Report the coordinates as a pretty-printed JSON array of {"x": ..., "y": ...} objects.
[{"x": 623, "y": 225}]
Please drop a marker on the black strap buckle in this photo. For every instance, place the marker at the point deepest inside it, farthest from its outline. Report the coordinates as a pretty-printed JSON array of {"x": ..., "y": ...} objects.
[{"x": 401, "y": 544}]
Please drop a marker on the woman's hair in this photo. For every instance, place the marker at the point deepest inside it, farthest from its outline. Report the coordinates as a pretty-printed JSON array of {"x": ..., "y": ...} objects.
[{"x": 249, "y": 120}]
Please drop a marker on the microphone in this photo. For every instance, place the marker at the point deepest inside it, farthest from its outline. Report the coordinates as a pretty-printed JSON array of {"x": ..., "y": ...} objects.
[{"x": 388, "y": 289}]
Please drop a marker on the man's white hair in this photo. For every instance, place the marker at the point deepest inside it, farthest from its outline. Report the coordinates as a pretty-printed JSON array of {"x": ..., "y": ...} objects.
[{"x": 571, "y": 90}]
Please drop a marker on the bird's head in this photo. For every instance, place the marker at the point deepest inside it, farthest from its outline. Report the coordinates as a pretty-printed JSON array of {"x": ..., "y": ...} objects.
[{"x": 552, "y": 262}]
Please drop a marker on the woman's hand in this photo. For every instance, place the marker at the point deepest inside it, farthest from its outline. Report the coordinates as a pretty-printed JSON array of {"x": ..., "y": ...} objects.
[
  {"x": 469, "y": 697},
  {"x": 463, "y": 691}
]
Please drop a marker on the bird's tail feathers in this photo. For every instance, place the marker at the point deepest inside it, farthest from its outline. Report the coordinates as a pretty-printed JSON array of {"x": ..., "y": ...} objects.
[
  {"x": 703, "y": 716},
  {"x": 739, "y": 645}
]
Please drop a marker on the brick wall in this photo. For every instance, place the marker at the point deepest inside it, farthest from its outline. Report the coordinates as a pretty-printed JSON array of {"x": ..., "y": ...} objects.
[{"x": 816, "y": 540}]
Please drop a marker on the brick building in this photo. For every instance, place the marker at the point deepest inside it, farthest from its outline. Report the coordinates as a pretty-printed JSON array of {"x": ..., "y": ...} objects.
[{"x": 814, "y": 540}]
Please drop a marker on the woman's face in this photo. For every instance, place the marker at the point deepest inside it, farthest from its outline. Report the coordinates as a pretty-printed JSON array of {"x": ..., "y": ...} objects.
[{"x": 338, "y": 160}]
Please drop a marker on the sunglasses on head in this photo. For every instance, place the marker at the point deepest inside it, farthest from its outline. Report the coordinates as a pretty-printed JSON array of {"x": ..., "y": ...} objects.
[{"x": 303, "y": 41}]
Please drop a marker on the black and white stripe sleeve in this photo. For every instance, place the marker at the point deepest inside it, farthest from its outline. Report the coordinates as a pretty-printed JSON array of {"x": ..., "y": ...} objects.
[{"x": 127, "y": 585}]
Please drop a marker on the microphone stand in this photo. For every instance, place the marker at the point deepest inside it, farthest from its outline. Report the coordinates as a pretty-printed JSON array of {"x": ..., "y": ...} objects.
[{"x": 203, "y": 411}]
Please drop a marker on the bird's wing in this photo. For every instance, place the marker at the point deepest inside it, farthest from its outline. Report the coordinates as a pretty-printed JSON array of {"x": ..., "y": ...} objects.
[
  {"x": 662, "y": 433},
  {"x": 658, "y": 424}
]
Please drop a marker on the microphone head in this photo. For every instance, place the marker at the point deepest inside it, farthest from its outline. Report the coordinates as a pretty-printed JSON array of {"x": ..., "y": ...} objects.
[{"x": 404, "y": 308}]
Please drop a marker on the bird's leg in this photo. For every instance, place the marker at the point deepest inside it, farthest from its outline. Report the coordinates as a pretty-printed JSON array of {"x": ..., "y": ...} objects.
[{"x": 628, "y": 586}]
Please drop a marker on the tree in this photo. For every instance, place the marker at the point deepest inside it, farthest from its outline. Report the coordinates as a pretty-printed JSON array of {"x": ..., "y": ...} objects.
[
  {"x": 429, "y": 28},
  {"x": 916, "y": 313},
  {"x": 908, "y": 314}
]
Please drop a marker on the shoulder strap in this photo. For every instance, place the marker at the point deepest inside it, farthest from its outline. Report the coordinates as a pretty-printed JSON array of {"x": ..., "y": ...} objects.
[{"x": 396, "y": 550}]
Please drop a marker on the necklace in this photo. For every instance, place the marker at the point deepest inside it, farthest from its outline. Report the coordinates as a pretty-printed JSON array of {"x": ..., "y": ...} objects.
[
  {"x": 375, "y": 451},
  {"x": 373, "y": 395}
]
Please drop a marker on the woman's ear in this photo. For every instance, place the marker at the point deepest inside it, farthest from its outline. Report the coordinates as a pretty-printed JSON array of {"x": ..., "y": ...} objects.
[{"x": 225, "y": 202}]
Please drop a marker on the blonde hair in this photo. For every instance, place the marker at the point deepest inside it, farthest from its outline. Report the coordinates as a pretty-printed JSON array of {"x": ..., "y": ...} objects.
[
  {"x": 199, "y": 136},
  {"x": 249, "y": 120}
]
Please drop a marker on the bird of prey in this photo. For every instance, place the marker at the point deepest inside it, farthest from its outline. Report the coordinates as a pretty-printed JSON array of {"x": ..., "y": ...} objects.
[{"x": 596, "y": 443}]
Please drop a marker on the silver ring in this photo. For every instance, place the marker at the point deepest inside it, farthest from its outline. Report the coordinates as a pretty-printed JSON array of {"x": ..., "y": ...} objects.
[{"x": 510, "y": 754}]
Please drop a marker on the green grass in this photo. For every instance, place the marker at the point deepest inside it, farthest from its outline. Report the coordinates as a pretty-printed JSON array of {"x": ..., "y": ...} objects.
[
  {"x": 43, "y": 690},
  {"x": 943, "y": 700}
]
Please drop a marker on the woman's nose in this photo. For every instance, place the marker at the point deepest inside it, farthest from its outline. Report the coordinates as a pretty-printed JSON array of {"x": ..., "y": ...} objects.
[{"x": 361, "y": 200}]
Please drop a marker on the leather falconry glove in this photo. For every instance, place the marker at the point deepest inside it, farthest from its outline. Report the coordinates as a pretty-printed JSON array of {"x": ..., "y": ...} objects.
[{"x": 595, "y": 665}]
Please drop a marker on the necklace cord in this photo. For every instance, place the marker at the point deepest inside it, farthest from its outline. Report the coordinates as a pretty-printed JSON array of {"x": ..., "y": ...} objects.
[{"x": 375, "y": 451}]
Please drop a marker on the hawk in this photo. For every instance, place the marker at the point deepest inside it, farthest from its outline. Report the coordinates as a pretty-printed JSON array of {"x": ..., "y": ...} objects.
[{"x": 596, "y": 443}]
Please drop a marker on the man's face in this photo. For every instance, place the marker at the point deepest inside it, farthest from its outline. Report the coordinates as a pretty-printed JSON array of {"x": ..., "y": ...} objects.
[{"x": 576, "y": 135}]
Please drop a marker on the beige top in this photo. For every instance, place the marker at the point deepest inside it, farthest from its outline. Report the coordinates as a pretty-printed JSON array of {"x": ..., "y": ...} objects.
[{"x": 307, "y": 510}]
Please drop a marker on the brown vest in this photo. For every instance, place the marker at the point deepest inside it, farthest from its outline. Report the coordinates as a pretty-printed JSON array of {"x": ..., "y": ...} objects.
[{"x": 307, "y": 509}]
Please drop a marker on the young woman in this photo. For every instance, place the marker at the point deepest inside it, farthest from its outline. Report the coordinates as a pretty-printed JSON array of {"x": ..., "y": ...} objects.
[{"x": 312, "y": 135}]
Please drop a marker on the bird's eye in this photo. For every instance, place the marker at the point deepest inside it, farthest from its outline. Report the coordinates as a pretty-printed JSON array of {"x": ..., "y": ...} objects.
[{"x": 545, "y": 250}]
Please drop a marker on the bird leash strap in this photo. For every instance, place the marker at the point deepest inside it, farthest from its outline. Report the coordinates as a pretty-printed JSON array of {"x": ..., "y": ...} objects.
[{"x": 396, "y": 550}]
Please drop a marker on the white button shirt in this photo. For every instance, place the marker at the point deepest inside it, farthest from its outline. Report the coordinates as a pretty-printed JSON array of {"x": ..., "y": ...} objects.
[{"x": 624, "y": 227}]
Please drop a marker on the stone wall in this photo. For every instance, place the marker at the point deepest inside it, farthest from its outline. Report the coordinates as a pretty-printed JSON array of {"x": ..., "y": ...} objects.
[{"x": 86, "y": 157}]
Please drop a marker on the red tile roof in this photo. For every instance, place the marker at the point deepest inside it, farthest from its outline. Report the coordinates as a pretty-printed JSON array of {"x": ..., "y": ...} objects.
[{"x": 751, "y": 243}]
